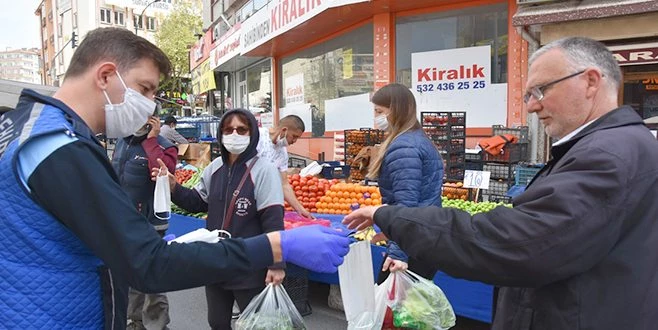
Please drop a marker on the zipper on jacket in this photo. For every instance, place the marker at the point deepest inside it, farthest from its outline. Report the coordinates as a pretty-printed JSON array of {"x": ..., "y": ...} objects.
[
  {"x": 109, "y": 272},
  {"x": 226, "y": 196}
]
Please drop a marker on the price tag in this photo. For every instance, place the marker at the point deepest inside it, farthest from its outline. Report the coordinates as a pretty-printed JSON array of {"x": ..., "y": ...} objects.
[{"x": 476, "y": 179}]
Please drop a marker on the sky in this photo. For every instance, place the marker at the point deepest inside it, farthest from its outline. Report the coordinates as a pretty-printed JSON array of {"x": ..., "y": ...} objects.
[{"x": 19, "y": 27}]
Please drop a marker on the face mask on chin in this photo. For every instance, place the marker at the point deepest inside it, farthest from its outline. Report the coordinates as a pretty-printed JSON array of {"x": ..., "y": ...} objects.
[
  {"x": 282, "y": 141},
  {"x": 236, "y": 143},
  {"x": 126, "y": 118}
]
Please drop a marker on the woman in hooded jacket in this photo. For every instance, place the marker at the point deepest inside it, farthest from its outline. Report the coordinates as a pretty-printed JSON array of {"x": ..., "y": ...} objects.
[{"x": 242, "y": 195}]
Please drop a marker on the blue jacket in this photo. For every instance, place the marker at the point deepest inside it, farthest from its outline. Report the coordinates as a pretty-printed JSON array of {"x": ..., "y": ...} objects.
[
  {"x": 412, "y": 171},
  {"x": 48, "y": 277}
]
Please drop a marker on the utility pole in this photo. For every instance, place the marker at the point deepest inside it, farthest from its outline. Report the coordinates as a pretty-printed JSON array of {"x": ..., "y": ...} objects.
[{"x": 141, "y": 16}]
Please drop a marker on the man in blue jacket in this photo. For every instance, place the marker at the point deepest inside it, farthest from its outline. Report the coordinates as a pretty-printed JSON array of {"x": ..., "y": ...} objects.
[{"x": 71, "y": 240}]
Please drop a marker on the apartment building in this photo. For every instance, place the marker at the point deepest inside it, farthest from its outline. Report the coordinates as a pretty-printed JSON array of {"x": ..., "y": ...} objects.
[
  {"x": 61, "y": 20},
  {"x": 21, "y": 65}
]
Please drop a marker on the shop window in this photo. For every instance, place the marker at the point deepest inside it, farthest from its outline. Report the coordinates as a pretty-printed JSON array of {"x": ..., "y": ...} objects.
[
  {"x": 477, "y": 26},
  {"x": 316, "y": 79},
  {"x": 640, "y": 89},
  {"x": 106, "y": 16},
  {"x": 259, "y": 87},
  {"x": 137, "y": 20}
]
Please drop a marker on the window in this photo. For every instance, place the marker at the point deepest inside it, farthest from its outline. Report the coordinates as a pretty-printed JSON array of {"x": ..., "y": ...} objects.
[
  {"x": 118, "y": 18},
  {"x": 75, "y": 20},
  {"x": 477, "y": 26},
  {"x": 106, "y": 16},
  {"x": 59, "y": 29},
  {"x": 138, "y": 22},
  {"x": 150, "y": 23},
  {"x": 327, "y": 72}
]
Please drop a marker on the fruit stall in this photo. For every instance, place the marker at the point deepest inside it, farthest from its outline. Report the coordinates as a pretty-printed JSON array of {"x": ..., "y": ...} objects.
[{"x": 330, "y": 200}]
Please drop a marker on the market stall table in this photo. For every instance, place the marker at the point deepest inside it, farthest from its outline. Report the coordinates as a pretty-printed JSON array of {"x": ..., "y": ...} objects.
[{"x": 469, "y": 299}]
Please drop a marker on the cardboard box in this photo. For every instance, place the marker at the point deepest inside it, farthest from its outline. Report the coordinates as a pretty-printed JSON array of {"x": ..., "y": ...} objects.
[{"x": 197, "y": 154}]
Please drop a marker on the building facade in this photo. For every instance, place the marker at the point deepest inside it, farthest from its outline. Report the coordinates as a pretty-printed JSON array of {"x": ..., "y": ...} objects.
[
  {"x": 61, "y": 19},
  {"x": 21, "y": 65},
  {"x": 322, "y": 59}
]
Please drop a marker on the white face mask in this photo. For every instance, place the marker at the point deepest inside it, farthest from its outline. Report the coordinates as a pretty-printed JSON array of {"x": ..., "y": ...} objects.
[
  {"x": 282, "y": 141},
  {"x": 126, "y": 118},
  {"x": 236, "y": 143},
  {"x": 381, "y": 122}
]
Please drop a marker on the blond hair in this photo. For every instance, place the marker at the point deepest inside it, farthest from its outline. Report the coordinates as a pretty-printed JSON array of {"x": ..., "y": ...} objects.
[{"x": 402, "y": 118}]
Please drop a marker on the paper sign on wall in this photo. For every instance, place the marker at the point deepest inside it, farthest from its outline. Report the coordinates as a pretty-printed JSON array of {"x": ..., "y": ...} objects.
[
  {"x": 294, "y": 89},
  {"x": 459, "y": 79},
  {"x": 476, "y": 179}
]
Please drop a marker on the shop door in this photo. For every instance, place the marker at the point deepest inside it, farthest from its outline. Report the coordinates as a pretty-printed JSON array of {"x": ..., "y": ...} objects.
[
  {"x": 243, "y": 102},
  {"x": 640, "y": 91}
]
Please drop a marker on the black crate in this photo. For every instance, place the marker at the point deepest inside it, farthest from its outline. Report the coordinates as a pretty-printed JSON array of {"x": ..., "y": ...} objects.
[
  {"x": 473, "y": 166},
  {"x": 521, "y": 132},
  {"x": 500, "y": 171},
  {"x": 296, "y": 163},
  {"x": 454, "y": 172},
  {"x": 475, "y": 157},
  {"x": 336, "y": 172},
  {"x": 497, "y": 198},
  {"x": 296, "y": 284},
  {"x": 512, "y": 153}
]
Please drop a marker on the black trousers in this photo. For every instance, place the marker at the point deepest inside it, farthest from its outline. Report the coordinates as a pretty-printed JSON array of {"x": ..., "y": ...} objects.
[{"x": 220, "y": 304}]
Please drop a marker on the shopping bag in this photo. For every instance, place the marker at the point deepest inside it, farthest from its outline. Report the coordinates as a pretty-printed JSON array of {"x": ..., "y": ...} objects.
[
  {"x": 162, "y": 198},
  {"x": 416, "y": 303},
  {"x": 381, "y": 305},
  {"x": 357, "y": 286},
  {"x": 271, "y": 309}
]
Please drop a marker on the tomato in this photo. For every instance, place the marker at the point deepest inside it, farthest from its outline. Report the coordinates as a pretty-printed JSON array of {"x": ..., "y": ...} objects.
[
  {"x": 298, "y": 193},
  {"x": 296, "y": 177},
  {"x": 295, "y": 183},
  {"x": 313, "y": 188}
]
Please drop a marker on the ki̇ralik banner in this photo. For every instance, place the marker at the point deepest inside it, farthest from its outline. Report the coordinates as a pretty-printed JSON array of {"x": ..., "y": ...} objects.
[{"x": 459, "y": 80}]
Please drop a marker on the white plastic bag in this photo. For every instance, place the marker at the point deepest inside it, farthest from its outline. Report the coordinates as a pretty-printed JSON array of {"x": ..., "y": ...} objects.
[
  {"x": 201, "y": 235},
  {"x": 416, "y": 303},
  {"x": 312, "y": 169},
  {"x": 357, "y": 286},
  {"x": 162, "y": 198},
  {"x": 271, "y": 309}
]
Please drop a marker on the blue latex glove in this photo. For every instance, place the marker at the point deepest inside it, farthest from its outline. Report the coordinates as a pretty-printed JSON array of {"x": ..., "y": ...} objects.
[
  {"x": 316, "y": 248},
  {"x": 169, "y": 237}
]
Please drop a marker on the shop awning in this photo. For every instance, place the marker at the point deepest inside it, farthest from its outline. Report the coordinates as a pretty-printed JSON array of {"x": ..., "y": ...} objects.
[
  {"x": 565, "y": 11},
  {"x": 327, "y": 22}
]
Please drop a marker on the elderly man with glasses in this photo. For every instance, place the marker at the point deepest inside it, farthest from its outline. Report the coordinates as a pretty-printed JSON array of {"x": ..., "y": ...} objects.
[{"x": 577, "y": 250}]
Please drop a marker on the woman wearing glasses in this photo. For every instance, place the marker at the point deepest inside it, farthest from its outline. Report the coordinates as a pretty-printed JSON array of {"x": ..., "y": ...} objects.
[{"x": 242, "y": 195}]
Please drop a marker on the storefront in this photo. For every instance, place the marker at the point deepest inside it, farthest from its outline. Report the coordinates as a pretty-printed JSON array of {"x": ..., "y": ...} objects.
[
  {"x": 627, "y": 27},
  {"x": 328, "y": 58}
]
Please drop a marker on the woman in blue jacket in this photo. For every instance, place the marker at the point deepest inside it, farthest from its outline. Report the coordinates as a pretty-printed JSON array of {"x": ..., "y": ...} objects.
[{"x": 409, "y": 168}]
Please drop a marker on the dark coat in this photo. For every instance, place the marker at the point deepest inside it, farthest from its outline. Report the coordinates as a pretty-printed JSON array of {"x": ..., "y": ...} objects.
[{"x": 577, "y": 251}]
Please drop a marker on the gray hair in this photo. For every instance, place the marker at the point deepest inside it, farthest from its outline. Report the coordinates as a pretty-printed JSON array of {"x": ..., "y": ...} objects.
[{"x": 584, "y": 52}]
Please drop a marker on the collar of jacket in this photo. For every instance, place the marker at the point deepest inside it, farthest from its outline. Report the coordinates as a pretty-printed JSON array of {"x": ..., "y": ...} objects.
[
  {"x": 251, "y": 151},
  {"x": 622, "y": 116},
  {"x": 79, "y": 126}
]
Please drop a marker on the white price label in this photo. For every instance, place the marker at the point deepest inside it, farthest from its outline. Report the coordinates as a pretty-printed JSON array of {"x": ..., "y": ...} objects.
[{"x": 476, "y": 179}]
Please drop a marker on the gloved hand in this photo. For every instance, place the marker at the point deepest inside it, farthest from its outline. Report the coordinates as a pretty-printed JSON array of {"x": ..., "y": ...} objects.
[
  {"x": 169, "y": 237},
  {"x": 316, "y": 248}
]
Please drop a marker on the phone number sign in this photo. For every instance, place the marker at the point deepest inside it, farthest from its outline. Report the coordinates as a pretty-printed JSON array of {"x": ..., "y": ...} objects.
[{"x": 452, "y": 70}]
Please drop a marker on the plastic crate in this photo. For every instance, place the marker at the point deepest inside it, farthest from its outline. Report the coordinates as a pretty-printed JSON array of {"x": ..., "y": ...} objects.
[
  {"x": 499, "y": 171},
  {"x": 498, "y": 188},
  {"x": 497, "y": 198},
  {"x": 296, "y": 163},
  {"x": 336, "y": 172},
  {"x": 475, "y": 157},
  {"x": 512, "y": 153},
  {"x": 215, "y": 150},
  {"x": 455, "y": 172},
  {"x": 521, "y": 132},
  {"x": 525, "y": 173},
  {"x": 296, "y": 285},
  {"x": 473, "y": 166}
]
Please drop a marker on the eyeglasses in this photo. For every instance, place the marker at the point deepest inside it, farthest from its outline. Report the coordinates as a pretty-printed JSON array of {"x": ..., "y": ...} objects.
[
  {"x": 538, "y": 91},
  {"x": 242, "y": 130}
]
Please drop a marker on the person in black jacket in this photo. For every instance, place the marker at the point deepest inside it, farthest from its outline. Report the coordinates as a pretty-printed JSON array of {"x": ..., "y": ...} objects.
[
  {"x": 132, "y": 160},
  {"x": 577, "y": 250},
  {"x": 72, "y": 240},
  {"x": 242, "y": 195}
]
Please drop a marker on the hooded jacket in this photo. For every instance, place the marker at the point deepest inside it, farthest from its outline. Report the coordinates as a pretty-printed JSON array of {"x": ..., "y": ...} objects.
[
  {"x": 258, "y": 207},
  {"x": 577, "y": 251}
]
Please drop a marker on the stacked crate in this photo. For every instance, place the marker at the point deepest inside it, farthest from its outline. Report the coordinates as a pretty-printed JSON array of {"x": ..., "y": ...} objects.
[
  {"x": 448, "y": 131},
  {"x": 503, "y": 167}
]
